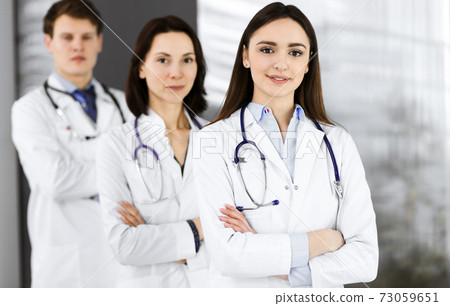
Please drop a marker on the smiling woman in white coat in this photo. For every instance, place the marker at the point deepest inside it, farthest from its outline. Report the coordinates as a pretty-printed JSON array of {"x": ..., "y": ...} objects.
[
  {"x": 282, "y": 192},
  {"x": 145, "y": 166}
]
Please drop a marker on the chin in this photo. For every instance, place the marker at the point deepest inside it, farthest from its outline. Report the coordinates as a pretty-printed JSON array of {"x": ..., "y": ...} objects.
[
  {"x": 80, "y": 69},
  {"x": 174, "y": 101}
]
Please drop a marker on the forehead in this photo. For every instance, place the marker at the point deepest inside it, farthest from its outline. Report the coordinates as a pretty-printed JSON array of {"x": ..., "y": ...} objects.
[
  {"x": 172, "y": 43},
  {"x": 67, "y": 24},
  {"x": 281, "y": 31}
]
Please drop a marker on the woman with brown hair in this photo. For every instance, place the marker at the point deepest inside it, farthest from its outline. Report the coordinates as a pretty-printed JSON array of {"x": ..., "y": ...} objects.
[
  {"x": 283, "y": 197},
  {"x": 145, "y": 166}
]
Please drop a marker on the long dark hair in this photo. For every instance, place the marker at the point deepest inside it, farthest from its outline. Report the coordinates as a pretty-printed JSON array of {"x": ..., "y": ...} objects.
[
  {"x": 136, "y": 90},
  {"x": 308, "y": 95}
]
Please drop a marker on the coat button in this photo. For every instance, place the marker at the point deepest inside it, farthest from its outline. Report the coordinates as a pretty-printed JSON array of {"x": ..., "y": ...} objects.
[
  {"x": 286, "y": 187},
  {"x": 296, "y": 187}
]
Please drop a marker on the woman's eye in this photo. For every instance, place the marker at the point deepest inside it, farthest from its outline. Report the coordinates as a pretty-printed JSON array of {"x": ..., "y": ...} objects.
[
  {"x": 296, "y": 53},
  {"x": 162, "y": 60},
  {"x": 267, "y": 50},
  {"x": 188, "y": 60}
]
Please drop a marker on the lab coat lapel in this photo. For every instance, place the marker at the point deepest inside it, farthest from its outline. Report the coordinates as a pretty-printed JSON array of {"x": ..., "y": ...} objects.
[
  {"x": 152, "y": 133},
  {"x": 308, "y": 149},
  {"x": 256, "y": 133},
  {"x": 187, "y": 160},
  {"x": 62, "y": 100},
  {"x": 72, "y": 109},
  {"x": 105, "y": 109}
]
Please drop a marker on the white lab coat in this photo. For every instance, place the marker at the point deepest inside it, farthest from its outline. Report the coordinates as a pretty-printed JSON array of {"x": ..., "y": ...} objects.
[
  {"x": 69, "y": 246},
  {"x": 147, "y": 252},
  {"x": 307, "y": 204}
]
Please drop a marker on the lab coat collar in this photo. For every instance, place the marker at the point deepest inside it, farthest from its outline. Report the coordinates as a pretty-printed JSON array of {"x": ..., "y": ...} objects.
[
  {"x": 256, "y": 133},
  {"x": 62, "y": 100},
  {"x": 104, "y": 103},
  {"x": 54, "y": 82},
  {"x": 81, "y": 121},
  {"x": 309, "y": 142},
  {"x": 308, "y": 150},
  {"x": 155, "y": 119},
  {"x": 105, "y": 107},
  {"x": 152, "y": 130},
  {"x": 68, "y": 85}
]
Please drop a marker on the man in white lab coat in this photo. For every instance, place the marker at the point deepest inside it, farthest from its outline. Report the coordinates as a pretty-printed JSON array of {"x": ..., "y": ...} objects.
[{"x": 55, "y": 129}]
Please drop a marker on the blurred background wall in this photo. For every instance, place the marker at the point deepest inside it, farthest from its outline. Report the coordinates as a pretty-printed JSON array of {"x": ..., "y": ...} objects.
[
  {"x": 9, "y": 205},
  {"x": 386, "y": 79}
]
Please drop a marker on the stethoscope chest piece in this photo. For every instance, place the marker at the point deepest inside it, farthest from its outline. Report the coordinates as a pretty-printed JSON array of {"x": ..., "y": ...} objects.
[{"x": 339, "y": 189}]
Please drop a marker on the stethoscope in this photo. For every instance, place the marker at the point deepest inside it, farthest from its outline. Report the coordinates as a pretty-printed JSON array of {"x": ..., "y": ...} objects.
[
  {"x": 237, "y": 160},
  {"x": 156, "y": 156},
  {"x": 60, "y": 112}
]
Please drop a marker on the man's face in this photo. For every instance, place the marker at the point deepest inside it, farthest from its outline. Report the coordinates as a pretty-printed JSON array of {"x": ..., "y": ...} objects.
[{"x": 75, "y": 46}]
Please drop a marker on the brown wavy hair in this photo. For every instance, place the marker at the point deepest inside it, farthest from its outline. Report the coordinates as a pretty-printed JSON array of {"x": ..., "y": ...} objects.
[
  {"x": 308, "y": 95},
  {"x": 136, "y": 90}
]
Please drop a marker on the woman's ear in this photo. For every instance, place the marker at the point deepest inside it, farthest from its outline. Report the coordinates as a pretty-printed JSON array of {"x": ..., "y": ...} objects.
[
  {"x": 245, "y": 60},
  {"x": 141, "y": 72}
]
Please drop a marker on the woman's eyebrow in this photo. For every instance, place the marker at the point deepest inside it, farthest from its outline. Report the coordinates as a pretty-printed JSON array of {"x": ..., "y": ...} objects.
[
  {"x": 168, "y": 55},
  {"x": 271, "y": 43},
  {"x": 266, "y": 42},
  {"x": 162, "y": 53},
  {"x": 296, "y": 45}
]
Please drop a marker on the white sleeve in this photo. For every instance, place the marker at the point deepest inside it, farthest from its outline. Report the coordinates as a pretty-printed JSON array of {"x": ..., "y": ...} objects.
[
  {"x": 200, "y": 260},
  {"x": 143, "y": 245},
  {"x": 357, "y": 260},
  {"x": 233, "y": 254},
  {"x": 59, "y": 173}
]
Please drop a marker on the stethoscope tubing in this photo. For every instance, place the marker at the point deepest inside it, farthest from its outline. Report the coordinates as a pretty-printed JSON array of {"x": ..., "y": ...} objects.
[
  {"x": 155, "y": 154},
  {"x": 105, "y": 88},
  {"x": 337, "y": 182}
]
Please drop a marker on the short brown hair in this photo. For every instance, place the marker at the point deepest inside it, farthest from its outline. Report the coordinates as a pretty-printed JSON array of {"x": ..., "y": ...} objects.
[
  {"x": 75, "y": 9},
  {"x": 136, "y": 90}
]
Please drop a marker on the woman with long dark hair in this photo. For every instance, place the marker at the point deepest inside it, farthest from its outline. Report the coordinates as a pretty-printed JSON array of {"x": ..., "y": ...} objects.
[
  {"x": 283, "y": 197},
  {"x": 145, "y": 167}
]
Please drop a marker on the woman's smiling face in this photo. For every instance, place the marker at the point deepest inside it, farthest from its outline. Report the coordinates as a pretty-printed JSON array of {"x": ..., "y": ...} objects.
[
  {"x": 170, "y": 67},
  {"x": 277, "y": 56}
]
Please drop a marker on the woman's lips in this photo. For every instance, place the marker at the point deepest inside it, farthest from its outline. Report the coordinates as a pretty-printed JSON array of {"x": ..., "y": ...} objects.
[
  {"x": 176, "y": 88},
  {"x": 279, "y": 79}
]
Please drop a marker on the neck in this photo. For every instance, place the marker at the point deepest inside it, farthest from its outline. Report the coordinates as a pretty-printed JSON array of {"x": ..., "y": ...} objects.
[
  {"x": 81, "y": 81},
  {"x": 282, "y": 109},
  {"x": 172, "y": 114}
]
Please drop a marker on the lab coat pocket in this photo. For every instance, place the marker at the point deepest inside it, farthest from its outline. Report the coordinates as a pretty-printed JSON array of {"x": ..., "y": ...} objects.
[
  {"x": 56, "y": 266},
  {"x": 64, "y": 132}
]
